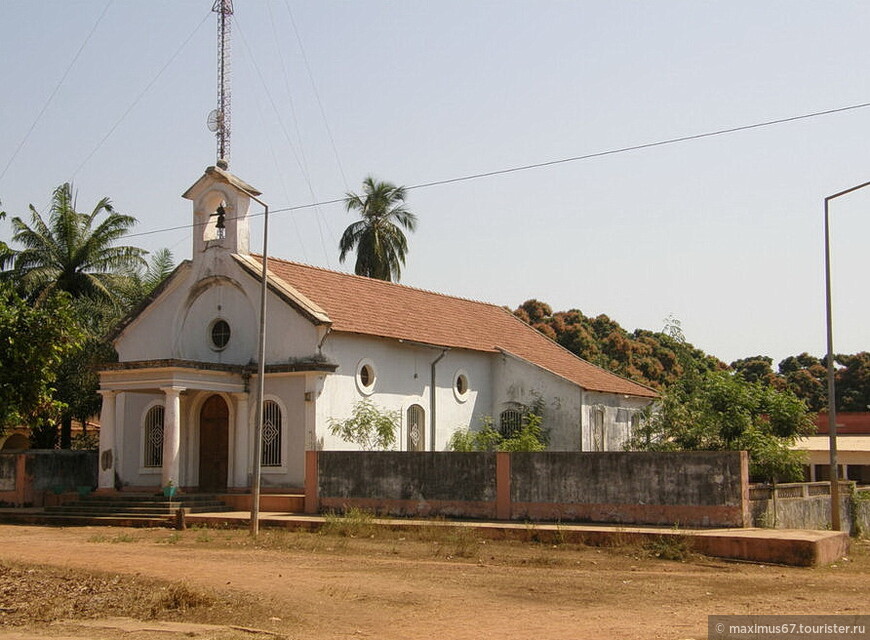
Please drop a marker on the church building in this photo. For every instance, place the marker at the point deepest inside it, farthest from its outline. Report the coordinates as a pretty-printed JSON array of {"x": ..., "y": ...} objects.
[{"x": 179, "y": 405}]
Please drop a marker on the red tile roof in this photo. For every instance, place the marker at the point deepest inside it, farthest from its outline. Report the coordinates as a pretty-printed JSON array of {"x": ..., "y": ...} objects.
[{"x": 366, "y": 306}]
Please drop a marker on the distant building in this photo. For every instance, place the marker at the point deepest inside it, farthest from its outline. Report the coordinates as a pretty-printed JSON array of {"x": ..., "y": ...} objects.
[{"x": 853, "y": 447}]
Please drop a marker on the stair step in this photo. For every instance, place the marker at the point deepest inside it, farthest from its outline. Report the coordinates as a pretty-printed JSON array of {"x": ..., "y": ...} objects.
[{"x": 141, "y": 506}]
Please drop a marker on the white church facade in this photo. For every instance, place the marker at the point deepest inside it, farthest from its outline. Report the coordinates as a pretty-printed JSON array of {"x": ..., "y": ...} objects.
[{"x": 179, "y": 405}]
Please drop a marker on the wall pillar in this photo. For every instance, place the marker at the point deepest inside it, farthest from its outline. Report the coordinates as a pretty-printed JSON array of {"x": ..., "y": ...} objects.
[
  {"x": 241, "y": 468},
  {"x": 107, "y": 462},
  {"x": 171, "y": 435}
]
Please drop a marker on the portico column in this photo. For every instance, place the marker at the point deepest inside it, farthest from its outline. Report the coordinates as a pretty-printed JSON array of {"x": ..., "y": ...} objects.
[
  {"x": 171, "y": 434},
  {"x": 243, "y": 428},
  {"x": 107, "y": 440}
]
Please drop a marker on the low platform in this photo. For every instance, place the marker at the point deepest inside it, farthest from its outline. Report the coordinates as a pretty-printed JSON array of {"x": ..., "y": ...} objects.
[{"x": 794, "y": 547}]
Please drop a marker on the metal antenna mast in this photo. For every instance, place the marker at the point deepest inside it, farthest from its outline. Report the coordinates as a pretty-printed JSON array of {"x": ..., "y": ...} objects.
[{"x": 219, "y": 119}]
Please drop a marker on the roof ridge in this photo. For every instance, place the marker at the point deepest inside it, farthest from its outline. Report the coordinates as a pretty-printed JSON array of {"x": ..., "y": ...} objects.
[{"x": 377, "y": 282}]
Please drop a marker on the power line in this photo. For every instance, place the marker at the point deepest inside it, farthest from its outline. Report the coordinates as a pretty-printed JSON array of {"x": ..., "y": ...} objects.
[
  {"x": 550, "y": 163},
  {"x": 56, "y": 89},
  {"x": 140, "y": 96}
]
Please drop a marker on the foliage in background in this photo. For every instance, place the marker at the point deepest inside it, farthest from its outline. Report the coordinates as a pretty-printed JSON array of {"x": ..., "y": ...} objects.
[
  {"x": 34, "y": 341},
  {"x": 369, "y": 426},
  {"x": 529, "y": 437},
  {"x": 659, "y": 359},
  {"x": 74, "y": 252},
  {"x": 719, "y": 410},
  {"x": 648, "y": 357},
  {"x": 77, "y": 254},
  {"x": 380, "y": 243}
]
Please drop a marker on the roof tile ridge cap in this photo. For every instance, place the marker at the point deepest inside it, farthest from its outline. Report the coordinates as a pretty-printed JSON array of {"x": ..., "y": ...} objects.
[
  {"x": 574, "y": 355},
  {"x": 378, "y": 282},
  {"x": 279, "y": 281}
]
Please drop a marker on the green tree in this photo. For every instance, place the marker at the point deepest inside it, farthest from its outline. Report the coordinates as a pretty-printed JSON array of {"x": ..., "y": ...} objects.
[
  {"x": 718, "y": 410},
  {"x": 34, "y": 340},
  {"x": 529, "y": 437},
  {"x": 75, "y": 252},
  {"x": 369, "y": 426},
  {"x": 380, "y": 243}
]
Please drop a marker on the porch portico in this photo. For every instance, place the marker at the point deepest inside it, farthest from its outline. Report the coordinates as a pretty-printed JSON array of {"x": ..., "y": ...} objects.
[{"x": 196, "y": 424}]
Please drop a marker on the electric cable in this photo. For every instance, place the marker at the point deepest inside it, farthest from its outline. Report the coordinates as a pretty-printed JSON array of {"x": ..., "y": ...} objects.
[
  {"x": 550, "y": 163},
  {"x": 56, "y": 89}
]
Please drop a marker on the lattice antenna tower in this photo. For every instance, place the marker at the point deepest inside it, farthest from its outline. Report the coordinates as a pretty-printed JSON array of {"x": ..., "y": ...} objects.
[{"x": 219, "y": 119}]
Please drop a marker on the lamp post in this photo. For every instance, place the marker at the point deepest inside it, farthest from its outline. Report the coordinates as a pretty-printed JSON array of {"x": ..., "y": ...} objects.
[
  {"x": 832, "y": 410},
  {"x": 261, "y": 376}
]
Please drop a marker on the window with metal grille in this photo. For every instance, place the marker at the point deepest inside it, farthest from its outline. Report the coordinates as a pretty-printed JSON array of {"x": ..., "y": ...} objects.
[
  {"x": 598, "y": 443},
  {"x": 272, "y": 432},
  {"x": 510, "y": 422},
  {"x": 154, "y": 437},
  {"x": 416, "y": 428}
]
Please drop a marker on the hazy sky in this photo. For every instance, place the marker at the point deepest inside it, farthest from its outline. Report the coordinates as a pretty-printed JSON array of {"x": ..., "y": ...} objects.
[{"x": 725, "y": 233}]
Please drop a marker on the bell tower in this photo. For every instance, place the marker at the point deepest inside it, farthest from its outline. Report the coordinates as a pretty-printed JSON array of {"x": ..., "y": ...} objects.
[{"x": 220, "y": 212}]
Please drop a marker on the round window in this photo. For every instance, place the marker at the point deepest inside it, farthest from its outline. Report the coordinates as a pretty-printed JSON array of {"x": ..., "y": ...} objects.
[
  {"x": 460, "y": 385},
  {"x": 220, "y": 334},
  {"x": 366, "y": 376}
]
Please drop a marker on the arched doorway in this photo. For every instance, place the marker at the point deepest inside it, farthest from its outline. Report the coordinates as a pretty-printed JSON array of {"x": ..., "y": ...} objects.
[{"x": 213, "y": 445}]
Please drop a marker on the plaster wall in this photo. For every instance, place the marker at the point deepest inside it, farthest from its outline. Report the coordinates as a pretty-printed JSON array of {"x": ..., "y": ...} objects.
[
  {"x": 517, "y": 382},
  {"x": 618, "y": 410},
  {"x": 403, "y": 378},
  {"x": 178, "y": 323}
]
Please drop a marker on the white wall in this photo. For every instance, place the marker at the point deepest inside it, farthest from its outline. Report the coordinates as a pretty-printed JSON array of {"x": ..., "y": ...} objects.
[
  {"x": 518, "y": 382},
  {"x": 618, "y": 410},
  {"x": 403, "y": 378},
  {"x": 177, "y": 324}
]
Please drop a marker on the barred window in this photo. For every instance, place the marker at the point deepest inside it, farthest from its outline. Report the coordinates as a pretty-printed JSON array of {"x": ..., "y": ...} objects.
[
  {"x": 416, "y": 428},
  {"x": 510, "y": 422},
  {"x": 272, "y": 429},
  {"x": 154, "y": 437},
  {"x": 598, "y": 443}
]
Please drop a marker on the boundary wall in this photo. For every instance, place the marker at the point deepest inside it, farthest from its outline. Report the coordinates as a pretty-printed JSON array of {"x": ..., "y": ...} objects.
[
  {"x": 34, "y": 477},
  {"x": 691, "y": 489}
]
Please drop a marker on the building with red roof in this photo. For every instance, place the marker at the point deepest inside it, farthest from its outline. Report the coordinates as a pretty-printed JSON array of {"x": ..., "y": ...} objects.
[{"x": 178, "y": 406}]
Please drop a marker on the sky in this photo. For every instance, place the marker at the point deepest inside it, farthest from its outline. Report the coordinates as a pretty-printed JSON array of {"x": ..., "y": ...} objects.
[{"x": 724, "y": 233}]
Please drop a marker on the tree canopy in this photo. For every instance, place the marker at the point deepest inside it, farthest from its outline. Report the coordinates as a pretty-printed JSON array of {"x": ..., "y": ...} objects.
[
  {"x": 74, "y": 252},
  {"x": 34, "y": 342},
  {"x": 377, "y": 238}
]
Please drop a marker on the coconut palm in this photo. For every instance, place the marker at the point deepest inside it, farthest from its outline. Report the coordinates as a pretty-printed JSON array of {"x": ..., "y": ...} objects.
[
  {"x": 74, "y": 252},
  {"x": 378, "y": 239}
]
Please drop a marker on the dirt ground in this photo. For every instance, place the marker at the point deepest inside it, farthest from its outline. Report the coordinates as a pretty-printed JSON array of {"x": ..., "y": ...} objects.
[{"x": 75, "y": 582}]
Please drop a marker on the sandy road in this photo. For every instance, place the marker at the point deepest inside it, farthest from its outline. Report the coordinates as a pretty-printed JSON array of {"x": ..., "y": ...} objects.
[{"x": 374, "y": 589}]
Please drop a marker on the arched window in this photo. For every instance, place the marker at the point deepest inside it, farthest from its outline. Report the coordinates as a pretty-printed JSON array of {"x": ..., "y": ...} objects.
[
  {"x": 272, "y": 434},
  {"x": 154, "y": 437},
  {"x": 510, "y": 422},
  {"x": 416, "y": 428},
  {"x": 598, "y": 443}
]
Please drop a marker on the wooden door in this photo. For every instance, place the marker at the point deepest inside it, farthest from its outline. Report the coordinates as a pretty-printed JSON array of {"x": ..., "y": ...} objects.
[{"x": 213, "y": 445}]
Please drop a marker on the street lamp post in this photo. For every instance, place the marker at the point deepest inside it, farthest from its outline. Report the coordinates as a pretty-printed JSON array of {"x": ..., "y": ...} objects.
[
  {"x": 832, "y": 411},
  {"x": 261, "y": 375}
]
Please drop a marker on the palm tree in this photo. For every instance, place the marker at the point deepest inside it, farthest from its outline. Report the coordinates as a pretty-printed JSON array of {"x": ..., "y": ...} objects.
[
  {"x": 378, "y": 239},
  {"x": 72, "y": 251}
]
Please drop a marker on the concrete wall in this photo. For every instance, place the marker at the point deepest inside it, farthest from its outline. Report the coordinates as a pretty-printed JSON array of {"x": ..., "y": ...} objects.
[
  {"x": 418, "y": 483},
  {"x": 689, "y": 489},
  {"x": 804, "y": 505},
  {"x": 26, "y": 477}
]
